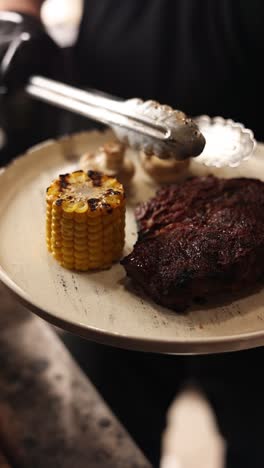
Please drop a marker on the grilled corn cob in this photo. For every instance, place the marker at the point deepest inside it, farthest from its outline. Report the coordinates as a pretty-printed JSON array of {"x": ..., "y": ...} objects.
[{"x": 85, "y": 220}]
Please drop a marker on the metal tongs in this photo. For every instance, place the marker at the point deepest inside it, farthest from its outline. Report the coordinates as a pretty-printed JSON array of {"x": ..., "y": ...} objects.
[{"x": 146, "y": 125}]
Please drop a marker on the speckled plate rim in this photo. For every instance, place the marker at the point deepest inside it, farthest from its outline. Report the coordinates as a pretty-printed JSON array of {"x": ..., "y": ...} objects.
[
  {"x": 203, "y": 345},
  {"x": 236, "y": 342}
]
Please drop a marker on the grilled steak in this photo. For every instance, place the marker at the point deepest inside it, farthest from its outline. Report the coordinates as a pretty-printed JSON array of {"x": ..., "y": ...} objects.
[{"x": 199, "y": 238}]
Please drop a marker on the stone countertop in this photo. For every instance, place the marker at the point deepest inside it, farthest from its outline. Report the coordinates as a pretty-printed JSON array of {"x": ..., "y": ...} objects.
[{"x": 50, "y": 414}]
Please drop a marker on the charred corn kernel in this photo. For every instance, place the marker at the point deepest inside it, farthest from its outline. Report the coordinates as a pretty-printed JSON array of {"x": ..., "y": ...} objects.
[{"x": 85, "y": 220}]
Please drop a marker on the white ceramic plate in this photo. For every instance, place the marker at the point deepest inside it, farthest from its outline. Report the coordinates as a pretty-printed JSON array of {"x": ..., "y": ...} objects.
[{"x": 100, "y": 306}]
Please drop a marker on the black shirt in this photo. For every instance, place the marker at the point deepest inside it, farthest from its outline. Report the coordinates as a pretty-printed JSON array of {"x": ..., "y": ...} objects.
[{"x": 200, "y": 56}]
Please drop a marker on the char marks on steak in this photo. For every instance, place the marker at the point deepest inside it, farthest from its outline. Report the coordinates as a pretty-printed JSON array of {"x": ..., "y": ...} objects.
[{"x": 199, "y": 238}]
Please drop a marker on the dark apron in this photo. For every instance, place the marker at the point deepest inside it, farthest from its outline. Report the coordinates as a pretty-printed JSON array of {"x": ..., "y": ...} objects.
[{"x": 199, "y": 56}]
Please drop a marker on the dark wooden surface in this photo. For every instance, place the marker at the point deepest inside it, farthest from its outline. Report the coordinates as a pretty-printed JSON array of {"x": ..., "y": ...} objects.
[{"x": 50, "y": 414}]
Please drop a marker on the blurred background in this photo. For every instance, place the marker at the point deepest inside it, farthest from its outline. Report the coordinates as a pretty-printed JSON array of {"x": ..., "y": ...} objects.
[
  {"x": 62, "y": 19},
  {"x": 24, "y": 122}
]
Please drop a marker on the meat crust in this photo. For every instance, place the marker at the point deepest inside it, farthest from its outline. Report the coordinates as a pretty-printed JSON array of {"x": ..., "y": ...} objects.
[{"x": 199, "y": 238}]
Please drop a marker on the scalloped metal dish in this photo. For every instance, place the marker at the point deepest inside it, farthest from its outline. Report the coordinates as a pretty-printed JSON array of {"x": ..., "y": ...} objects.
[
  {"x": 102, "y": 306},
  {"x": 228, "y": 143}
]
